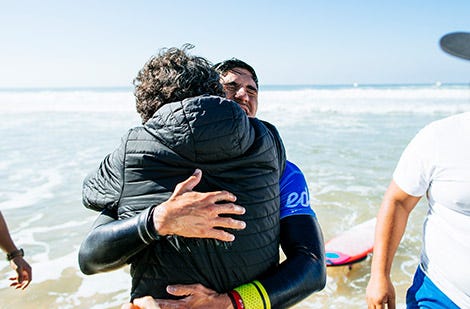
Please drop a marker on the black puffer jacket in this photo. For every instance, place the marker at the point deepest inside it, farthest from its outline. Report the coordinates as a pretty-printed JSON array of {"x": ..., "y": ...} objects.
[{"x": 235, "y": 153}]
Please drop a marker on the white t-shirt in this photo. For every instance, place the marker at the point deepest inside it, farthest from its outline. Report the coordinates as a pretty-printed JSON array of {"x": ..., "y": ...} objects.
[{"x": 437, "y": 163}]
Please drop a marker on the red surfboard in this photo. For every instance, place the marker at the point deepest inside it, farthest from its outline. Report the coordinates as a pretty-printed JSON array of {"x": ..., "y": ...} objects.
[{"x": 352, "y": 245}]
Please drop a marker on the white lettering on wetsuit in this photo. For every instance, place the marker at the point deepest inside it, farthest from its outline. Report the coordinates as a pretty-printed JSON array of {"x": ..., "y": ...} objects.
[{"x": 295, "y": 199}]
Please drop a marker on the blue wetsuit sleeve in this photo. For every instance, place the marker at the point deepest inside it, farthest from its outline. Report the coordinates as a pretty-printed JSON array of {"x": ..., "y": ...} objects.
[{"x": 295, "y": 199}]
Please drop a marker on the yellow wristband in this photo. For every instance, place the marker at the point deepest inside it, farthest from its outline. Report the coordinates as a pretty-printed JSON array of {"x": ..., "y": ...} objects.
[
  {"x": 254, "y": 295},
  {"x": 263, "y": 293}
]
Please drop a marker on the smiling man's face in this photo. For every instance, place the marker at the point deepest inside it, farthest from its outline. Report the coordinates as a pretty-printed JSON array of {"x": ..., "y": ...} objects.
[{"x": 240, "y": 87}]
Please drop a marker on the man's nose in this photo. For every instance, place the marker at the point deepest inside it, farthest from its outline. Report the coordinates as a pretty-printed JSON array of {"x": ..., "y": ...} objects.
[{"x": 241, "y": 94}]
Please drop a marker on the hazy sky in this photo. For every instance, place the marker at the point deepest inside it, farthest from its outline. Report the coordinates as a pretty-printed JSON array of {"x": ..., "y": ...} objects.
[{"x": 105, "y": 42}]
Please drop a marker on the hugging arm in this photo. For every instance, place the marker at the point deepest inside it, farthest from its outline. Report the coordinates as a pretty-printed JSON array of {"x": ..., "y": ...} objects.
[
  {"x": 302, "y": 273},
  {"x": 301, "y": 238},
  {"x": 111, "y": 242},
  {"x": 304, "y": 270}
]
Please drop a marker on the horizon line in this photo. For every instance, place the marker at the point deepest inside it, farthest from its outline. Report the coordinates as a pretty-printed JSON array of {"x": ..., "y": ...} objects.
[{"x": 342, "y": 85}]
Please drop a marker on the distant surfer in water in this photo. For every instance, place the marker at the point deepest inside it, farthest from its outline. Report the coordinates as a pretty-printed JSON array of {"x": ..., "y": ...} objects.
[
  {"x": 15, "y": 257},
  {"x": 436, "y": 163}
]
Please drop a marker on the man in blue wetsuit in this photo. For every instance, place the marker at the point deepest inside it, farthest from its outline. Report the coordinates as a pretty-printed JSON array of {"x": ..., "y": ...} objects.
[{"x": 302, "y": 273}]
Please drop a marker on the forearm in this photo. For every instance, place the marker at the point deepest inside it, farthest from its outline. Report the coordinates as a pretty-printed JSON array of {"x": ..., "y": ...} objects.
[
  {"x": 111, "y": 242},
  {"x": 304, "y": 270},
  {"x": 6, "y": 243},
  {"x": 295, "y": 280},
  {"x": 390, "y": 227}
]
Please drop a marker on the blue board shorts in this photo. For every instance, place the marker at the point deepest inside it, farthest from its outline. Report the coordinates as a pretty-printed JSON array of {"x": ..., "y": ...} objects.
[{"x": 424, "y": 294}]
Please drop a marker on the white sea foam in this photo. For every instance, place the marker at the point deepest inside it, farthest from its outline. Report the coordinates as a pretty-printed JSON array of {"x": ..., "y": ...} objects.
[
  {"x": 45, "y": 182},
  {"x": 66, "y": 101},
  {"x": 379, "y": 93},
  {"x": 366, "y": 100},
  {"x": 355, "y": 99}
]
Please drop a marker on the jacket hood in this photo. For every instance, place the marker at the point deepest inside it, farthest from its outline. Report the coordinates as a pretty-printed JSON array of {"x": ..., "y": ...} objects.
[{"x": 203, "y": 129}]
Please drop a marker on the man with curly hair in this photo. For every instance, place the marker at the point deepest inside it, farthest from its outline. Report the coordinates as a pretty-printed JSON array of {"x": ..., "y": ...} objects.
[{"x": 188, "y": 126}]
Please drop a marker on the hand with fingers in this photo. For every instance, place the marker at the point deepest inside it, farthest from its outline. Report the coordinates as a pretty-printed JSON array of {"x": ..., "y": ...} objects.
[
  {"x": 194, "y": 214},
  {"x": 146, "y": 302},
  {"x": 15, "y": 256},
  {"x": 380, "y": 293},
  {"x": 194, "y": 296},
  {"x": 23, "y": 271}
]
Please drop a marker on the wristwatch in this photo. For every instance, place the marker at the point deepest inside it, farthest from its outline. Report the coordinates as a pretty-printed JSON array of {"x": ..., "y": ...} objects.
[{"x": 14, "y": 254}]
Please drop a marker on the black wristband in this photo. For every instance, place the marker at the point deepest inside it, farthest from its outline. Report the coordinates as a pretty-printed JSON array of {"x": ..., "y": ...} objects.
[
  {"x": 14, "y": 254},
  {"x": 150, "y": 226}
]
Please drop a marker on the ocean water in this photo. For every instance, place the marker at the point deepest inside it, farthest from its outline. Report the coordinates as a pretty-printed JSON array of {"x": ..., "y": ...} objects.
[{"x": 346, "y": 140}]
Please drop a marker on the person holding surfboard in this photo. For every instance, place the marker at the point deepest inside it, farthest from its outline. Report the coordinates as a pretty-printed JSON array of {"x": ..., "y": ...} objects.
[
  {"x": 436, "y": 163},
  {"x": 15, "y": 256},
  {"x": 301, "y": 236}
]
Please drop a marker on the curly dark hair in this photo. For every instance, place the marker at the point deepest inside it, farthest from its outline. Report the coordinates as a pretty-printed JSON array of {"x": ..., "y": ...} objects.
[{"x": 171, "y": 76}]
